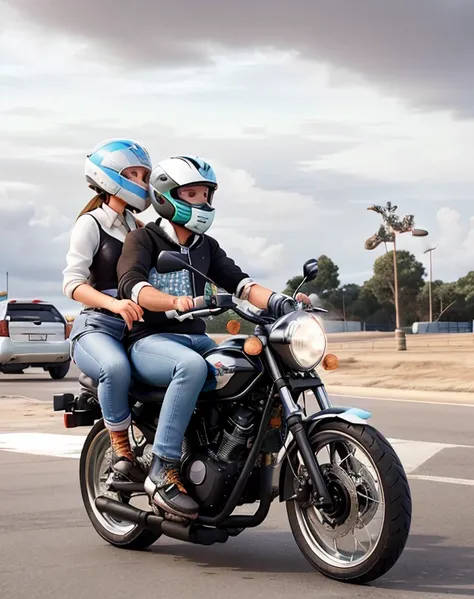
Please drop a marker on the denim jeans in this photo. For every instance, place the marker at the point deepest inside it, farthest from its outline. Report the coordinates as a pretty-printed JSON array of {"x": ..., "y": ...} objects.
[
  {"x": 98, "y": 351},
  {"x": 174, "y": 361}
]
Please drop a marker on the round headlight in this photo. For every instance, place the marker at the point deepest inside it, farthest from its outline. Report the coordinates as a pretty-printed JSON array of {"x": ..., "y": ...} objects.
[{"x": 300, "y": 340}]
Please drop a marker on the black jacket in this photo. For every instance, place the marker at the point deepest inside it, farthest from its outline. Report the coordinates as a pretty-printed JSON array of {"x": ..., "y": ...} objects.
[{"x": 138, "y": 264}]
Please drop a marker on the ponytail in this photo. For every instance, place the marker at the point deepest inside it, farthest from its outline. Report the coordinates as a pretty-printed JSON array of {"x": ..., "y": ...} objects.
[{"x": 95, "y": 202}]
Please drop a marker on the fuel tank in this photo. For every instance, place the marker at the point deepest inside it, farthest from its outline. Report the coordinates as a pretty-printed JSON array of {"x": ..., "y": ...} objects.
[{"x": 231, "y": 372}]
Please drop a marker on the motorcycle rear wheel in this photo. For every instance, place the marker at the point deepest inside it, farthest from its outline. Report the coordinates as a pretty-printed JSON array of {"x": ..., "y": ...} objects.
[{"x": 125, "y": 535}]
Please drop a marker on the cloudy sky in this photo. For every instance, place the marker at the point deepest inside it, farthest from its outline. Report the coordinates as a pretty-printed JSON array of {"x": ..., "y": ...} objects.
[{"x": 309, "y": 112}]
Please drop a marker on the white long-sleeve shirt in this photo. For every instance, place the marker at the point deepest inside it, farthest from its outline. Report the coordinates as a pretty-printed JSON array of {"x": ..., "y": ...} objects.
[{"x": 85, "y": 240}]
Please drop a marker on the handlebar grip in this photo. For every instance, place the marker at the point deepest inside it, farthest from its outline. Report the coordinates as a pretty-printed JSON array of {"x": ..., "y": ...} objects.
[{"x": 199, "y": 304}]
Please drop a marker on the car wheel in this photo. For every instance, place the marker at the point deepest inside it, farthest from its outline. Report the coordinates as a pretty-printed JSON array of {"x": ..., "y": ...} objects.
[{"x": 59, "y": 372}]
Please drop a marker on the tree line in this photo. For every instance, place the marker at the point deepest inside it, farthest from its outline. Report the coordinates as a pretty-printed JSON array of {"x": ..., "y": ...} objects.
[{"x": 373, "y": 302}]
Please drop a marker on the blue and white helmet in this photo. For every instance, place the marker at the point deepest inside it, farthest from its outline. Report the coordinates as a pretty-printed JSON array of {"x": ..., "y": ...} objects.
[
  {"x": 107, "y": 161},
  {"x": 180, "y": 171}
]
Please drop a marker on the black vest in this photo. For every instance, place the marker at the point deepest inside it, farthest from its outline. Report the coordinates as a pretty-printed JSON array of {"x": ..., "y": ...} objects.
[{"x": 103, "y": 270}]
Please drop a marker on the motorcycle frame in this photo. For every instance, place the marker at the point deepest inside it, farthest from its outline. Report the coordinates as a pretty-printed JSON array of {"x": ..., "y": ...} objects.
[{"x": 275, "y": 479}]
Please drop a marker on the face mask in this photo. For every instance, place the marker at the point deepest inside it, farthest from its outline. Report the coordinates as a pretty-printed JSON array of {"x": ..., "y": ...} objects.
[{"x": 201, "y": 218}]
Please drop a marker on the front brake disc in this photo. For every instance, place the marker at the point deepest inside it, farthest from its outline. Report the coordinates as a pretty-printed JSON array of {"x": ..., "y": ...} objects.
[{"x": 343, "y": 518}]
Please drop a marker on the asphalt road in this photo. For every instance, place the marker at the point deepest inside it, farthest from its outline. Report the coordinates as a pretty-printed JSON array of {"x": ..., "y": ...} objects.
[
  {"x": 48, "y": 548},
  {"x": 36, "y": 383}
]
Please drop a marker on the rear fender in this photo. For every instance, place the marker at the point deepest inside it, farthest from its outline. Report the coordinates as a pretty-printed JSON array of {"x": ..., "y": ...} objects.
[{"x": 282, "y": 473}]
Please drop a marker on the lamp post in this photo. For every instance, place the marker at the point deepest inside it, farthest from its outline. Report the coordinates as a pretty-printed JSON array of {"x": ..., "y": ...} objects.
[
  {"x": 344, "y": 307},
  {"x": 430, "y": 251},
  {"x": 4, "y": 294},
  {"x": 387, "y": 233}
]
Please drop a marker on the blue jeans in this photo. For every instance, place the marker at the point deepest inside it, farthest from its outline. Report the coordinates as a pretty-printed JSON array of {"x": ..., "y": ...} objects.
[
  {"x": 98, "y": 351},
  {"x": 174, "y": 361}
]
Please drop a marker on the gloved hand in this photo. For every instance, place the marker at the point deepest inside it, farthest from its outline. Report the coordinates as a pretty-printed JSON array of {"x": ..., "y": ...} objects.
[{"x": 280, "y": 304}]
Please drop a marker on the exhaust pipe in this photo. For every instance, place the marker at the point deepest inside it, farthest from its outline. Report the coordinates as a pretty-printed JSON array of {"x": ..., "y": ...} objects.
[
  {"x": 192, "y": 533},
  {"x": 123, "y": 511}
]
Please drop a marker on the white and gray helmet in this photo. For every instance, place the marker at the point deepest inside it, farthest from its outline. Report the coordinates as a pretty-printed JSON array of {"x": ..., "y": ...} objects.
[
  {"x": 107, "y": 161},
  {"x": 181, "y": 171}
]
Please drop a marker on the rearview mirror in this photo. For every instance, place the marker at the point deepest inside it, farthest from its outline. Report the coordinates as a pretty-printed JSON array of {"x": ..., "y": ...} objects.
[
  {"x": 170, "y": 262},
  {"x": 310, "y": 269}
]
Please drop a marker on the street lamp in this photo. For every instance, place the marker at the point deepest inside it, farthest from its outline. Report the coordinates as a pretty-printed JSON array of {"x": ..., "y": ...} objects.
[
  {"x": 387, "y": 233},
  {"x": 344, "y": 306},
  {"x": 4, "y": 294},
  {"x": 430, "y": 251}
]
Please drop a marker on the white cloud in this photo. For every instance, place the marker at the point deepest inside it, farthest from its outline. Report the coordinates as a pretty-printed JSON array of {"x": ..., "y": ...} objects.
[
  {"x": 257, "y": 115},
  {"x": 454, "y": 256},
  {"x": 418, "y": 50},
  {"x": 411, "y": 148}
]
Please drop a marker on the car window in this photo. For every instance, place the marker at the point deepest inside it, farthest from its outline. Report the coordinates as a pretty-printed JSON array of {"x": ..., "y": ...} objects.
[{"x": 30, "y": 312}]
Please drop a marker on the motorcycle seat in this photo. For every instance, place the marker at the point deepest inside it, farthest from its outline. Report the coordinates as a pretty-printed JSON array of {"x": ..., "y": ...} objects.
[{"x": 138, "y": 391}]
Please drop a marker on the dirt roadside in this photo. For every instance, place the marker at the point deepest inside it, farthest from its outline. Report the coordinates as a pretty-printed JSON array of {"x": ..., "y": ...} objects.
[
  {"x": 435, "y": 368},
  {"x": 432, "y": 363}
]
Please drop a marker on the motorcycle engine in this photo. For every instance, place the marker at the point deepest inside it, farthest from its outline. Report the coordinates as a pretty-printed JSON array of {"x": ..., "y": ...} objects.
[
  {"x": 238, "y": 435},
  {"x": 212, "y": 471}
]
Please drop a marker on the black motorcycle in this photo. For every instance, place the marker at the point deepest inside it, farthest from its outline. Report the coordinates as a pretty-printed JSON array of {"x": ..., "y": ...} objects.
[{"x": 251, "y": 440}]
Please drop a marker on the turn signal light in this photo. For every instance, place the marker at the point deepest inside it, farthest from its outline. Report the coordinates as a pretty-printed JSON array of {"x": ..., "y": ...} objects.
[
  {"x": 233, "y": 327},
  {"x": 330, "y": 362},
  {"x": 253, "y": 346}
]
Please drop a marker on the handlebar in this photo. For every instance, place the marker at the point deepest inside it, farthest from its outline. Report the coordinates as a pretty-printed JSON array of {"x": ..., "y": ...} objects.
[
  {"x": 204, "y": 307},
  {"x": 215, "y": 305}
]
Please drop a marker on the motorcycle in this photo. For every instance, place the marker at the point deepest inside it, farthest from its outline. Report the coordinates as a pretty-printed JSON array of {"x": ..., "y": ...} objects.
[{"x": 252, "y": 440}]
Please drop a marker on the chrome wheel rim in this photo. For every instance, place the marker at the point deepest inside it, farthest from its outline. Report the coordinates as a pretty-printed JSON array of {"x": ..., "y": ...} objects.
[{"x": 359, "y": 511}]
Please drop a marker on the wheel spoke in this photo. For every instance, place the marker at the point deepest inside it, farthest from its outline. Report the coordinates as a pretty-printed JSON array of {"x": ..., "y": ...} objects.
[
  {"x": 98, "y": 473},
  {"x": 368, "y": 534},
  {"x": 349, "y": 455},
  {"x": 370, "y": 498}
]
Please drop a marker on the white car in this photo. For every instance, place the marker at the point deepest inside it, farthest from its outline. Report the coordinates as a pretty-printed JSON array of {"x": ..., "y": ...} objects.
[{"x": 33, "y": 333}]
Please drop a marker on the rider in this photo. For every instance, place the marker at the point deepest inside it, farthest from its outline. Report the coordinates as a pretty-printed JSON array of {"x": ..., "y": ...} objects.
[
  {"x": 182, "y": 192},
  {"x": 118, "y": 171}
]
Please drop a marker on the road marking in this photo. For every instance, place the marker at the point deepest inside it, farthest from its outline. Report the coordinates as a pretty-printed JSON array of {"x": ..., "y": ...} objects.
[
  {"x": 443, "y": 479},
  {"x": 418, "y": 401},
  {"x": 412, "y": 454},
  {"x": 61, "y": 446}
]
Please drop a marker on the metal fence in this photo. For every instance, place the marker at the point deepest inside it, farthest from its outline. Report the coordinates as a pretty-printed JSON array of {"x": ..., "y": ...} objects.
[
  {"x": 384, "y": 327},
  {"x": 442, "y": 327}
]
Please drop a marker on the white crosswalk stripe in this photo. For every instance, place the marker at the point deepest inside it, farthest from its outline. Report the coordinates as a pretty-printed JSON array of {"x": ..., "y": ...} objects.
[
  {"x": 412, "y": 454},
  {"x": 46, "y": 444}
]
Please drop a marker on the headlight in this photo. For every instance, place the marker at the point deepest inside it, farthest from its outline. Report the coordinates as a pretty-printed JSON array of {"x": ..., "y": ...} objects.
[{"x": 299, "y": 339}]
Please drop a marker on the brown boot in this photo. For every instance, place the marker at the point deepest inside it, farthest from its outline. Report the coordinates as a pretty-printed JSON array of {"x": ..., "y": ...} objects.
[
  {"x": 121, "y": 444},
  {"x": 123, "y": 461}
]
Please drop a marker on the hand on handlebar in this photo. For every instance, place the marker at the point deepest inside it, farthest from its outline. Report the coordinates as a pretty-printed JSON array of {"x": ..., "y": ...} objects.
[
  {"x": 184, "y": 303},
  {"x": 303, "y": 298}
]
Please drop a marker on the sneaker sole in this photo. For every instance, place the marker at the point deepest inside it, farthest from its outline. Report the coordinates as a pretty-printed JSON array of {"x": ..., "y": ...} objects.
[
  {"x": 132, "y": 476},
  {"x": 150, "y": 489}
]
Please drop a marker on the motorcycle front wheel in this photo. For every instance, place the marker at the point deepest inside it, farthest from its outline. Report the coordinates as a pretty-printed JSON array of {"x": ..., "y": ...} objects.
[
  {"x": 366, "y": 530},
  {"x": 94, "y": 470}
]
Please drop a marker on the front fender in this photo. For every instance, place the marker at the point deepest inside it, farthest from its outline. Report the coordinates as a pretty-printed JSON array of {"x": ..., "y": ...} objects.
[{"x": 282, "y": 474}]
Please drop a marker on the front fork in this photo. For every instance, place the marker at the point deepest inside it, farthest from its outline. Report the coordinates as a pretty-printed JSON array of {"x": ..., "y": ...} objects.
[{"x": 294, "y": 421}]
